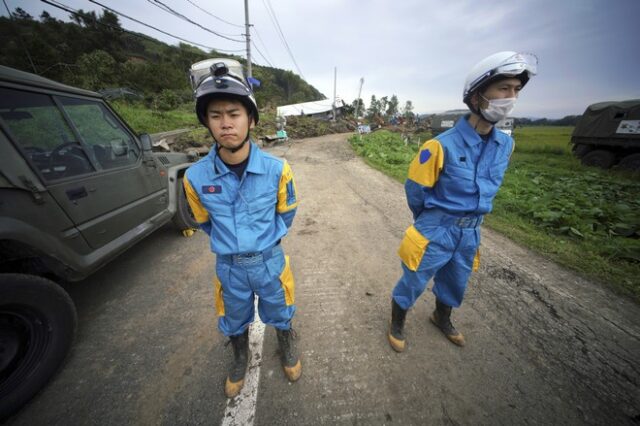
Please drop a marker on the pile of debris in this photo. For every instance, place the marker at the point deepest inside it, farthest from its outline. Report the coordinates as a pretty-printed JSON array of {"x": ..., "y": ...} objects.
[
  {"x": 199, "y": 139},
  {"x": 183, "y": 140}
]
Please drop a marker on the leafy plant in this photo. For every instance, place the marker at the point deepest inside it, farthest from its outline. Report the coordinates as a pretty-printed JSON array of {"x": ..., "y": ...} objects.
[{"x": 582, "y": 217}]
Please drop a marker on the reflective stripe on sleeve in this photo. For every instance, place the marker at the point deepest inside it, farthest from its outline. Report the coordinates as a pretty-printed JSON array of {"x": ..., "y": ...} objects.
[
  {"x": 287, "y": 193},
  {"x": 199, "y": 212}
]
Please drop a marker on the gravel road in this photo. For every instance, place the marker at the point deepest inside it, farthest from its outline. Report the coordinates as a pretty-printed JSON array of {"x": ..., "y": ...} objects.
[{"x": 544, "y": 346}]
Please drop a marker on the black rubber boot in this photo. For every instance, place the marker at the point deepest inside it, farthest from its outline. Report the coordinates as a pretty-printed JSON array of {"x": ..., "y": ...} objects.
[
  {"x": 396, "y": 334},
  {"x": 290, "y": 361},
  {"x": 235, "y": 379},
  {"x": 441, "y": 317}
]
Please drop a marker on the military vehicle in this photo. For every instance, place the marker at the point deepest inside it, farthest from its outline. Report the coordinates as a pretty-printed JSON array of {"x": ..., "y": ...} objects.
[
  {"x": 608, "y": 133},
  {"x": 77, "y": 188},
  {"x": 443, "y": 122}
]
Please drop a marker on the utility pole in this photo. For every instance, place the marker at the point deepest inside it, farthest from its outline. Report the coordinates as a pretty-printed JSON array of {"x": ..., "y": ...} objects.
[
  {"x": 358, "y": 98},
  {"x": 335, "y": 78},
  {"x": 248, "y": 34}
]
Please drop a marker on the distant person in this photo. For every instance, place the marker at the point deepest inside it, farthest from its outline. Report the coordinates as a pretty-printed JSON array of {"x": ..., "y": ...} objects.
[
  {"x": 245, "y": 200},
  {"x": 451, "y": 185}
]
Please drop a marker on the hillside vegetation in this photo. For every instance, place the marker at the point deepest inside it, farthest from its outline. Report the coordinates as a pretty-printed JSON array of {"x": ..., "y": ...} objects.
[{"x": 93, "y": 52}]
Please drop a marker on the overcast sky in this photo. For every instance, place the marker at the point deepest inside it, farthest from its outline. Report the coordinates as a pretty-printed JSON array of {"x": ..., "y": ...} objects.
[{"x": 420, "y": 50}]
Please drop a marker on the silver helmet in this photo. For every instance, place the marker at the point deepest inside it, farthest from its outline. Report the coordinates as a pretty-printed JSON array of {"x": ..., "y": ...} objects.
[
  {"x": 223, "y": 78},
  {"x": 499, "y": 65}
]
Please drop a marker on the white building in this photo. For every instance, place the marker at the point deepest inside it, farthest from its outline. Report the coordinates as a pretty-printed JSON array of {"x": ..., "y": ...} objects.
[{"x": 318, "y": 109}]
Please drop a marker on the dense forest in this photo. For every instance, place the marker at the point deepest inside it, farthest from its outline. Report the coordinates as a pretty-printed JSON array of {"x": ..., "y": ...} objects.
[{"x": 94, "y": 52}]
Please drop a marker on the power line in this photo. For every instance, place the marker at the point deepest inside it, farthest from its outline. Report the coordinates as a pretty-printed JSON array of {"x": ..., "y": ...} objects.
[
  {"x": 166, "y": 8},
  {"x": 66, "y": 8},
  {"x": 262, "y": 41},
  {"x": 274, "y": 20},
  {"x": 214, "y": 16},
  {"x": 263, "y": 57},
  {"x": 157, "y": 29},
  {"x": 139, "y": 35}
]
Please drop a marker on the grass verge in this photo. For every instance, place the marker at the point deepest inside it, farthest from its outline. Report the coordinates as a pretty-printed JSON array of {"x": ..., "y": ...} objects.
[
  {"x": 583, "y": 218},
  {"x": 146, "y": 120}
]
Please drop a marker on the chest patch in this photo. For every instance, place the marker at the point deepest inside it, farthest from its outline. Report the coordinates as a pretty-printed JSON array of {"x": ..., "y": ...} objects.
[{"x": 211, "y": 189}]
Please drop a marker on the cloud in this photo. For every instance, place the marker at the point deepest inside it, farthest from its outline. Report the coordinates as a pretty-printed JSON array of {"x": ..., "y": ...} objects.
[{"x": 422, "y": 49}]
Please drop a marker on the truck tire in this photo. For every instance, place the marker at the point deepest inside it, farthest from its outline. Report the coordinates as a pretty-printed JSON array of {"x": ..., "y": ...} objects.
[
  {"x": 37, "y": 326},
  {"x": 183, "y": 219},
  {"x": 599, "y": 158},
  {"x": 631, "y": 162},
  {"x": 581, "y": 149}
]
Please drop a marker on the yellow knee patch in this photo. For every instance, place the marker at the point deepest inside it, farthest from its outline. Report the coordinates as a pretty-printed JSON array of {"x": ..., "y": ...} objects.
[{"x": 412, "y": 248}]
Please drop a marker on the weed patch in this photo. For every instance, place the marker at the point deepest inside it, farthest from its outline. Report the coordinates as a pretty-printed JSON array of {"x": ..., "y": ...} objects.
[
  {"x": 145, "y": 120},
  {"x": 581, "y": 217}
]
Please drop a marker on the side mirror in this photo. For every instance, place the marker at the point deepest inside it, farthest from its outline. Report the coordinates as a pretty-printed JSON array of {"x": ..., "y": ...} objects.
[{"x": 146, "y": 142}]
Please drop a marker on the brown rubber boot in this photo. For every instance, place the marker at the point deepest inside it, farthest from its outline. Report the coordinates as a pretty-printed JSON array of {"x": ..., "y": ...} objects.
[
  {"x": 396, "y": 334},
  {"x": 290, "y": 361},
  {"x": 235, "y": 379},
  {"x": 441, "y": 317}
]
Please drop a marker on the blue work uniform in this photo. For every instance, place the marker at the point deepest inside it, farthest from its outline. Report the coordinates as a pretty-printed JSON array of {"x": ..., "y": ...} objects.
[
  {"x": 450, "y": 186},
  {"x": 245, "y": 218}
]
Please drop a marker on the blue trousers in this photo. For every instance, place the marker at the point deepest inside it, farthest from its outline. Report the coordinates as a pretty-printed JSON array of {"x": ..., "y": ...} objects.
[
  {"x": 240, "y": 279},
  {"x": 446, "y": 252}
]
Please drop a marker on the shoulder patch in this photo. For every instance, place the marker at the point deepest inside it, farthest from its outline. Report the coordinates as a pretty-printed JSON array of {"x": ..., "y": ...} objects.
[{"x": 424, "y": 156}]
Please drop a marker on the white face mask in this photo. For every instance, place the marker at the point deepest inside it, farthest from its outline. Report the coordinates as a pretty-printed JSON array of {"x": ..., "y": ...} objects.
[{"x": 497, "y": 109}]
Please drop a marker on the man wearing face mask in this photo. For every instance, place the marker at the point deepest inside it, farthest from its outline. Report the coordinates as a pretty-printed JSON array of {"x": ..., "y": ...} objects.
[{"x": 450, "y": 186}]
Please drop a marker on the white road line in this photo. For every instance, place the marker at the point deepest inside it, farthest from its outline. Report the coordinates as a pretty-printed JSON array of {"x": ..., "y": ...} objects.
[{"x": 241, "y": 410}]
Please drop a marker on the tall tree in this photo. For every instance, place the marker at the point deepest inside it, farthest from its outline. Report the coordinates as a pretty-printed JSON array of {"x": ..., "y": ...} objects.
[
  {"x": 384, "y": 102},
  {"x": 374, "y": 108},
  {"x": 407, "y": 110},
  {"x": 358, "y": 105},
  {"x": 392, "y": 107}
]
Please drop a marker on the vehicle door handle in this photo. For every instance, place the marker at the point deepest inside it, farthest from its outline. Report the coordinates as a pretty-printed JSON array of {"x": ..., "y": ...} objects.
[{"x": 76, "y": 193}]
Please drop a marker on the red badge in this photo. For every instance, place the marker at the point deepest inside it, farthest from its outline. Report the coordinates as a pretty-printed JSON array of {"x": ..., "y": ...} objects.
[{"x": 211, "y": 189}]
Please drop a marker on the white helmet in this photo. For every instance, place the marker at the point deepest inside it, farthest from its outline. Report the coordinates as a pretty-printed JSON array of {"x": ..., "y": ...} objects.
[{"x": 496, "y": 66}]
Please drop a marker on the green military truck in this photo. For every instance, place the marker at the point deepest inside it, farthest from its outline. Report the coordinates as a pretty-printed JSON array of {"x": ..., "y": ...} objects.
[
  {"x": 77, "y": 188},
  {"x": 608, "y": 133}
]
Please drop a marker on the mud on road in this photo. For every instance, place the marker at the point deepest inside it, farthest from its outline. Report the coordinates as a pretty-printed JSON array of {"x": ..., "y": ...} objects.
[{"x": 544, "y": 346}]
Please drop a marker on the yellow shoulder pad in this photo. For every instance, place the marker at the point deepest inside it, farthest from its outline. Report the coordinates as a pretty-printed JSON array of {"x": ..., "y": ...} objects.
[{"x": 426, "y": 166}]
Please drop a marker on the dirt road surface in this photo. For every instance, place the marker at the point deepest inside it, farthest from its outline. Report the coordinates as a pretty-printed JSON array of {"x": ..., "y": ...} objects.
[{"x": 544, "y": 346}]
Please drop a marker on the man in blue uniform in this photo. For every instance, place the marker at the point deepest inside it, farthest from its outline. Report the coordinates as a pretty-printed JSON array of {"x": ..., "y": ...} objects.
[
  {"x": 450, "y": 187},
  {"x": 245, "y": 200}
]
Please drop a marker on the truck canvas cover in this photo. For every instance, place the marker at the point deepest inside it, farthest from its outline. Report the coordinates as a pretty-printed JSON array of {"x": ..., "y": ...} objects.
[{"x": 610, "y": 120}]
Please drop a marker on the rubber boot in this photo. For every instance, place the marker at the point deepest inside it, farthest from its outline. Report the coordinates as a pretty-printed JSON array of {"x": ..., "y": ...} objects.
[
  {"x": 290, "y": 361},
  {"x": 441, "y": 317},
  {"x": 396, "y": 334},
  {"x": 235, "y": 379}
]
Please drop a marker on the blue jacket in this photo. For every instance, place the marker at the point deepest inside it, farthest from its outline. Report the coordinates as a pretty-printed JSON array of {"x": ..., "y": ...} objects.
[
  {"x": 242, "y": 215},
  {"x": 458, "y": 172}
]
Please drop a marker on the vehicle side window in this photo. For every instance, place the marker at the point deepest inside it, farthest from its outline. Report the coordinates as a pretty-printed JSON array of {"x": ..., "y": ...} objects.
[
  {"x": 38, "y": 126},
  {"x": 112, "y": 145}
]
